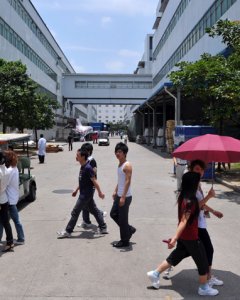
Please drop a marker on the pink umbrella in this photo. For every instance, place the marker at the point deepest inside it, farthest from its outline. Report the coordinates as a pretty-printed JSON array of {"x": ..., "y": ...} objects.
[{"x": 210, "y": 148}]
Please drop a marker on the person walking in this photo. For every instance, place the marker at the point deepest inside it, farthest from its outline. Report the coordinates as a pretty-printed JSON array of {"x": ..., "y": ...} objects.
[
  {"x": 4, "y": 220},
  {"x": 186, "y": 236},
  {"x": 41, "y": 149},
  {"x": 199, "y": 166},
  {"x": 87, "y": 180},
  {"x": 122, "y": 197},
  {"x": 70, "y": 142},
  {"x": 86, "y": 223},
  {"x": 12, "y": 191}
]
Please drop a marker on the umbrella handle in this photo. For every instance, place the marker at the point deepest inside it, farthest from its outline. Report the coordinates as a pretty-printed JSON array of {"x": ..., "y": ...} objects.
[{"x": 213, "y": 166}]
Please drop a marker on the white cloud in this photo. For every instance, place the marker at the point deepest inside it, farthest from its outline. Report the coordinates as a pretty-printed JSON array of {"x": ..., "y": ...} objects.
[
  {"x": 115, "y": 66},
  {"x": 126, "y": 7},
  {"x": 129, "y": 53},
  {"x": 80, "y": 21},
  {"x": 85, "y": 49},
  {"x": 106, "y": 20},
  {"x": 77, "y": 68}
]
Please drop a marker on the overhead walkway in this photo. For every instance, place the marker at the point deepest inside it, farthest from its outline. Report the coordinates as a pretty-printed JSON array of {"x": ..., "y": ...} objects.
[{"x": 124, "y": 89}]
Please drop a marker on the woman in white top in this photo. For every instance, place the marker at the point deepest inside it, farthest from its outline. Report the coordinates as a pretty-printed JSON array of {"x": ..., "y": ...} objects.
[
  {"x": 199, "y": 166},
  {"x": 12, "y": 192},
  {"x": 4, "y": 221}
]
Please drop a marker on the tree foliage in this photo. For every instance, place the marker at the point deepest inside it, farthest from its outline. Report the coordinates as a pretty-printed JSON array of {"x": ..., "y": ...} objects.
[
  {"x": 214, "y": 79},
  {"x": 21, "y": 106},
  {"x": 119, "y": 126}
]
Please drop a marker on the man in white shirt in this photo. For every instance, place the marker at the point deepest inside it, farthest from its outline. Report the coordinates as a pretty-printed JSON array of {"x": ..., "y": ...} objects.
[
  {"x": 122, "y": 197},
  {"x": 41, "y": 149}
]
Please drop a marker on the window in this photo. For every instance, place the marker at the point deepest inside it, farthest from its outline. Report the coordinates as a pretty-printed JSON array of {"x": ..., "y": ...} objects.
[{"x": 209, "y": 19}]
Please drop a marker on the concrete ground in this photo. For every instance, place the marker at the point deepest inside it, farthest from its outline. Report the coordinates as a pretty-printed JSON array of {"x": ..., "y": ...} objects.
[{"x": 86, "y": 266}]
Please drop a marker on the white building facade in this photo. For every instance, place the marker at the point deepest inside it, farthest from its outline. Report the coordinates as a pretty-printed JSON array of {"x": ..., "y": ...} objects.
[
  {"x": 180, "y": 33},
  {"x": 24, "y": 36}
]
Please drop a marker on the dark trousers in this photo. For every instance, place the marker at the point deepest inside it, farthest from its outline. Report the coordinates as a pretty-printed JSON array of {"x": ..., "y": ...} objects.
[
  {"x": 41, "y": 158},
  {"x": 86, "y": 213},
  {"x": 85, "y": 202},
  {"x": 120, "y": 216},
  {"x": 205, "y": 239},
  {"x": 70, "y": 147},
  {"x": 193, "y": 248},
  {"x": 4, "y": 218}
]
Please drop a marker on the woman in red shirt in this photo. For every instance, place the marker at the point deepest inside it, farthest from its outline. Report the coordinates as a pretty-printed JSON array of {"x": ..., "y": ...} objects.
[{"x": 186, "y": 237}]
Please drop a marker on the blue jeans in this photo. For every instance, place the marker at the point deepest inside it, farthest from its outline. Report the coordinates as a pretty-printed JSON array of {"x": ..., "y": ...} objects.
[{"x": 13, "y": 211}]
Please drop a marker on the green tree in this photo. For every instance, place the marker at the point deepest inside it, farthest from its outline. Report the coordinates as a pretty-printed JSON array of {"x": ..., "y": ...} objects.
[
  {"x": 21, "y": 106},
  {"x": 214, "y": 79},
  {"x": 119, "y": 126}
]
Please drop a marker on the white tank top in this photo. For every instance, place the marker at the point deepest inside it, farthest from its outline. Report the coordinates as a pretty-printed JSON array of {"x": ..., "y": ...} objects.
[
  {"x": 201, "y": 218},
  {"x": 121, "y": 181}
]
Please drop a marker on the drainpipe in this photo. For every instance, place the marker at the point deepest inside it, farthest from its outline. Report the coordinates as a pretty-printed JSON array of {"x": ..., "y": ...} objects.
[
  {"x": 154, "y": 125},
  {"x": 164, "y": 123}
]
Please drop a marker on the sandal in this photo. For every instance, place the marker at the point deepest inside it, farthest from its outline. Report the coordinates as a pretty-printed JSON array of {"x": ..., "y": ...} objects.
[{"x": 8, "y": 248}]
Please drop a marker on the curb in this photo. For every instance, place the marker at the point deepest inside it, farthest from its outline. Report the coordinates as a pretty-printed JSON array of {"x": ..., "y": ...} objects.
[{"x": 231, "y": 186}]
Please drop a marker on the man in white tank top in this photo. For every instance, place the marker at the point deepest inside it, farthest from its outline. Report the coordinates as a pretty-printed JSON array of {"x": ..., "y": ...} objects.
[{"x": 122, "y": 197}]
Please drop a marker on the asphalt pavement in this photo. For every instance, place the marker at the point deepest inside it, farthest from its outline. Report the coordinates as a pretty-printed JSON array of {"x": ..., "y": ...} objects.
[{"x": 86, "y": 266}]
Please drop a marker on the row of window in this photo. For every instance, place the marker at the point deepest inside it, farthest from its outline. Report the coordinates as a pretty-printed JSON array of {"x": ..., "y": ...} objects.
[
  {"x": 215, "y": 12},
  {"x": 114, "y": 117},
  {"x": 112, "y": 111},
  {"x": 179, "y": 11},
  {"x": 21, "y": 11},
  {"x": 113, "y": 84},
  {"x": 13, "y": 38},
  {"x": 100, "y": 105},
  {"x": 106, "y": 121}
]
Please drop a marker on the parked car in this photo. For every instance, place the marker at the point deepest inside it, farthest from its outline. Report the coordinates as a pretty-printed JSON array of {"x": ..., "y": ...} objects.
[
  {"x": 19, "y": 143},
  {"x": 103, "y": 138}
]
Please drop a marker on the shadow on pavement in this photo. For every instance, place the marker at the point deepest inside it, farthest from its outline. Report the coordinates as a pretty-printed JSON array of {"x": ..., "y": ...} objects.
[
  {"x": 185, "y": 283},
  {"x": 23, "y": 203},
  {"x": 89, "y": 234},
  {"x": 157, "y": 151},
  {"x": 230, "y": 196}
]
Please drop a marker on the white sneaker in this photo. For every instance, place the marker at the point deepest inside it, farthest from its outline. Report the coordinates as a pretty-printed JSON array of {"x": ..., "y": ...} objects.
[
  {"x": 166, "y": 274},
  {"x": 154, "y": 279},
  {"x": 84, "y": 225},
  {"x": 209, "y": 291},
  {"x": 63, "y": 234},
  {"x": 102, "y": 231},
  {"x": 104, "y": 214},
  {"x": 214, "y": 281}
]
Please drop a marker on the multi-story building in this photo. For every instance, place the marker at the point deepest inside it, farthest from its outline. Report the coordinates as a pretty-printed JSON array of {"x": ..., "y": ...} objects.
[
  {"x": 110, "y": 113},
  {"x": 24, "y": 36},
  {"x": 180, "y": 36}
]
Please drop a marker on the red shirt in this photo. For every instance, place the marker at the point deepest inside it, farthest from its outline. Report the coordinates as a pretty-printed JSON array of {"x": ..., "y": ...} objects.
[{"x": 190, "y": 232}]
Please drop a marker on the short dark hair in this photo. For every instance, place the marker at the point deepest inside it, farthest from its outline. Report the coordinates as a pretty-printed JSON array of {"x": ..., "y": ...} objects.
[
  {"x": 83, "y": 152},
  {"x": 197, "y": 162},
  {"x": 123, "y": 147},
  {"x": 88, "y": 147},
  {"x": 41, "y": 135}
]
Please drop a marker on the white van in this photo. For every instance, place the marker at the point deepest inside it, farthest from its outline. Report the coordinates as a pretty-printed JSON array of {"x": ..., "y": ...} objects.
[{"x": 103, "y": 138}]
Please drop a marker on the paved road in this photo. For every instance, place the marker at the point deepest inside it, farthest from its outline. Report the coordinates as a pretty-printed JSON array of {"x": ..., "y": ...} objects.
[{"x": 87, "y": 266}]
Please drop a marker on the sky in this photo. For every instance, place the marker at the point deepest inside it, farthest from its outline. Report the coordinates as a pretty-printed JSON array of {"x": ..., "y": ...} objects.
[{"x": 100, "y": 36}]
